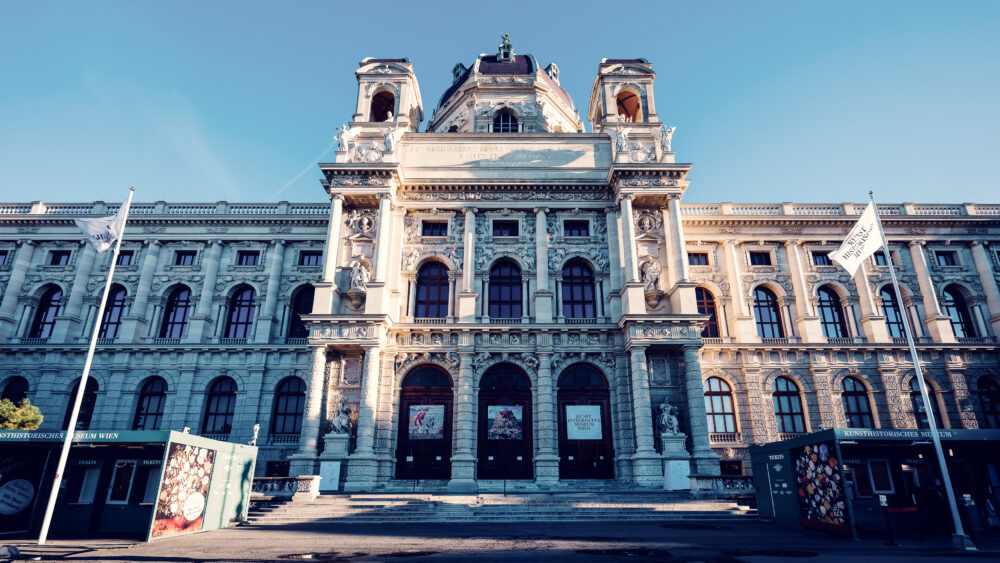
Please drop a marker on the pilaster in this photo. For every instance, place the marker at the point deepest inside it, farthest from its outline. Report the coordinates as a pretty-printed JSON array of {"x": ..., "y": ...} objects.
[
  {"x": 304, "y": 461},
  {"x": 543, "y": 296},
  {"x": 264, "y": 327},
  {"x": 703, "y": 460},
  {"x": 987, "y": 279},
  {"x": 467, "y": 296},
  {"x": 547, "y": 460},
  {"x": 463, "y": 462},
  {"x": 872, "y": 321},
  {"x": 647, "y": 467},
  {"x": 326, "y": 299},
  {"x": 200, "y": 328},
  {"x": 8, "y": 306},
  {"x": 809, "y": 328},
  {"x": 134, "y": 322},
  {"x": 938, "y": 325},
  {"x": 362, "y": 465},
  {"x": 67, "y": 326}
]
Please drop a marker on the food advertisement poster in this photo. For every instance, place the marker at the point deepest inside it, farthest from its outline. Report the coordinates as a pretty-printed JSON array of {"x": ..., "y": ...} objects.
[
  {"x": 426, "y": 422},
  {"x": 820, "y": 488},
  {"x": 187, "y": 476},
  {"x": 583, "y": 422},
  {"x": 505, "y": 422}
]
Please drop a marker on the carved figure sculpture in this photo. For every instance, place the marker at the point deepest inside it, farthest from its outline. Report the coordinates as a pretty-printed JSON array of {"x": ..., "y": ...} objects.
[
  {"x": 620, "y": 136},
  {"x": 341, "y": 424},
  {"x": 651, "y": 274},
  {"x": 343, "y": 138},
  {"x": 387, "y": 139},
  {"x": 667, "y": 421},
  {"x": 666, "y": 136},
  {"x": 359, "y": 276}
]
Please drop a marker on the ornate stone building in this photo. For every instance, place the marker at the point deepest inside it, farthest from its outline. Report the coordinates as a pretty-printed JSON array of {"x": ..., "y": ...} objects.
[{"x": 503, "y": 297}]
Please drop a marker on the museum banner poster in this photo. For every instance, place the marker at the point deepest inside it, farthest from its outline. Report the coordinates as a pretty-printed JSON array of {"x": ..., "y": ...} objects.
[
  {"x": 426, "y": 422},
  {"x": 583, "y": 422},
  {"x": 822, "y": 504},
  {"x": 187, "y": 476},
  {"x": 21, "y": 472},
  {"x": 505, "y": 422}
]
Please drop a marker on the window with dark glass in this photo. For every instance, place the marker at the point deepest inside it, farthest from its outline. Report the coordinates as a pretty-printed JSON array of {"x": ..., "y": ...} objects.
[
  {"x": 125, "y": 258},
  {"x": 302, "y": 304},
  {"x": 719, "y": 406},
  {"x": 698, "y": 258},
  {"x": 831, "y": 316},
  {"x": 86, "y": 405},
  {"x": 946, "y": 258},
  {"x": 765, "y": 308},
  {"x": 151, "y": 404},
  {"x": 175, "y": 313},
  {"x": 289, "y": 403},
  {"x": 822, "y": 259},
  {"x": 310, "y": 258},
  {"x": 49, "y": 306},
  {"x": 241, "y": 309},
  {"x": 247, "y": 258},
  {"x": 917, "y": 404},
  {"x": 788, "y": 407},
  {"x": 383, "y": 104},
  {"x": 432, "y": 291},
  {"x": 760, "y": 258},
  {"x": 184, "y": 257},
  {"x": 434, "y": 228},
  {"x": 15, "y": 389},
  {"x": 3, "y": 256},
  {"x": 989, "y": 401},
  {"x": 955, "y": 306},
  {"x": 880, "y": 258},
  {"x": 576, "y": 228},
  {"x": 857, "y": 409},
  {"x": 706, "y": 306},
  {"x": 505, "y": 122},
  {"x": 220, "y": 404},
  {"x": 121, "y": 481},
  {"x": 114, "y": 309},
  {"x": 505, "y": 290},
  {"x": 892, "y": 312},
  {"x": 578, "y": 291},
  {"x": 505, "y": 228},
  {"x": 59, "y": 257}
]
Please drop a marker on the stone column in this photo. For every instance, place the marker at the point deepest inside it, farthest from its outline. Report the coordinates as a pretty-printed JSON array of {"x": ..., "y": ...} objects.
[
  {"x": 679, "y": 252},
  {"x": 325, "y": 300},
  {"x": 376, "y": 290},
  {"x": 547, "y": 460},
  {"x": 304, "y": 461},
  {"x": 807, "y": 321},
  {"x": 135, "y": 321},
  {"x": 704, "y": 460},
  {"x": 362, "y": 465},
  {"x": 872, "y": 321},
  {"x": 938, "y": 325},
  {"x": 543, "y": 295},
  {"x": 8, "y": 306},
  {"x": 615, "y": 258},
  {"x": 985, "y": 269},
  {"x": 200, "y": 328},
  {"x": 463, "y": 462},
  {"x": 646, "y": 463},
  {"x": 633, "y": 300},
  {"x": 265, "y": 322},
  {"x": 68, "y": 323},
  {"x": 682, "y": 294},
  {"x": 743, "y": 328},
  {"x": 467, "y": 296}
]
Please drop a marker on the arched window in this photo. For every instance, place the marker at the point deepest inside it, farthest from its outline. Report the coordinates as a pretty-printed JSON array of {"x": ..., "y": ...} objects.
[
  {"x": 505, "y": 122},
  {"x": 86, "y": 405},
  {"x": 629, "y": 106},
  {"x": 578, "y": 291},
  {"x": 45, "y": 316},
  {"x": 114, "y": 309},
  {"x": 289, "y": 404},
  {"x": 857, "y": 409},
  {"x": 917, "y": 404},
  {"x": 15, "y": 389},
  {"x": 220, "y": 404},
  {"x": 302, "y": 304},
  {"x": 432, "y": 291},
  {"x": 989, "y": 401},
  {"x": 175, "y": 313},
  {"x": 765, "y": 308},
  {"x": 383, "y": 104},
  {"x": 719, "y": 407},
  {"x": 152, "y": 402},
  {"x": 954, "y": 306},
  {"x": 427, "y": 376},
  {"x": 505, "y": 290},
  {"x": 241, "y": 307},
  {"x": 831, "y": 316},
  {"x": 893, "y": 314},
  {"x": 706, "y": 306},
  {"x": 788, "y": 407},
  {"x": 582, "y": 375}
]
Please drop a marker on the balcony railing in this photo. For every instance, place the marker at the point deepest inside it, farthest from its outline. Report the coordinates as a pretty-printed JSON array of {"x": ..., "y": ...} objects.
[
  {"x": 977, "y": 339},
  {"x": 167, "y": 341},
  {"x": 570, "y": 321},
  {"x": 724, "y": 437},
  {"x": 283, "y": 439},
  {"x": 34, "y": 341},
  {"x": 789, "y": 435},
  {"x": 235, "y": 341},
  {"x": 774, "y": 340},
  {"x": 429, "y": 320},
  {"x": 217, "y": 436},
  {"x": 502, "y": 321}
]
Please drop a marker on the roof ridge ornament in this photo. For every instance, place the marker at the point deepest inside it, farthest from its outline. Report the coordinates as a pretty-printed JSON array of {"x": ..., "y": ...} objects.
[{"x": 506, "y": 53}]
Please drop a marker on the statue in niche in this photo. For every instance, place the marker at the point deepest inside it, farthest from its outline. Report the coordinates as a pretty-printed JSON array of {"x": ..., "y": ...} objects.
[
  {"x": 651, "y": 274},
  {"x": 341, "y": 424},
  {"x": 620, "y": 136},
  {"x": 667, "y": 421},
  {"x": 360, "y": 275}
]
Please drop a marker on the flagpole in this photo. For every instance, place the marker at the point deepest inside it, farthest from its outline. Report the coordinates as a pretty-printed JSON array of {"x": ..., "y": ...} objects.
[
  {"x": 71, "y": 428},
  {"x": 959, "y": 539}
]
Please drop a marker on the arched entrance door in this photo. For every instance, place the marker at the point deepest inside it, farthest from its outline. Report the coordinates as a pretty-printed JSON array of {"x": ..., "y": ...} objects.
[
  {"x": 505, "y": 424},
  {"x": 423, "y": 449},
  {"x": 585, "y": 446}
]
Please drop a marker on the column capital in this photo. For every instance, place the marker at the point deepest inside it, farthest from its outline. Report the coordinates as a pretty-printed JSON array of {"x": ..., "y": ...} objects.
[
  {"x": 977, "y": 242},
  {"x": 673, "y": 197},
  {"x": 337, "y": 196},
  {"x": 793, "y": 242},
  {"x": 471, "y": 210},
  {"x": 152, "y": 242},
  {"x": 383, "y": 196},
  {"x": 629, "y": 197},
  {"x": 541, "y": 210},
  {"x": 278, "y": 242},
  {"x": 26, "y": 242},
  {"x": 216, "y": 242},
  {"x": 913, "y": 243}
]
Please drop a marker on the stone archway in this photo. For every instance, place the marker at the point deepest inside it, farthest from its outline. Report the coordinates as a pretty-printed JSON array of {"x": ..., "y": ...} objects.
[
  {"x": 505, "y": 438},
  {"x": 423, "y": 448}
]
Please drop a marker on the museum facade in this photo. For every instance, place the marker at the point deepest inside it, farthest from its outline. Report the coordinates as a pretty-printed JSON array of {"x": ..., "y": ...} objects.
[{"x": 502, "y": 296}]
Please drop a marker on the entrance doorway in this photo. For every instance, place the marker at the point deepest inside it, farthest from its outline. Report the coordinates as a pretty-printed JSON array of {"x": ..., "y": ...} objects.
[
  {"x": 423, "y": 448},
  {"x": 505, "y": 424},
  {"x": 585, "y": 445}
]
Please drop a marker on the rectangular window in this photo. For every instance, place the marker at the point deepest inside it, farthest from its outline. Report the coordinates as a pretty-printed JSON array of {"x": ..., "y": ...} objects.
[
  {"x": 505, "y": 228},
  {"x": 310, "y": 258},
  {"x": 946, "y": 258},
  {"x": 3, "y": 257},
  {"x": 881, "y": 476},
  {"x": 434, "y": 229},
  {"x": 125, "y": 258},
  {"x": 59, "y": 258},
  {"x": 147, "y": 478},
  {"x": 82, "y": 486},
  {"x": 184, "y": 258},
  {"x": 822, "y": 259},
  {"x": 760, "y": 258},
  {"x": 576, "y": 229},
  {"x": 881, "y": 259},
  {"x": 247, "y": 258},
  {"x": 697, "y": 258},
  {"x": 121, "y": 481}
]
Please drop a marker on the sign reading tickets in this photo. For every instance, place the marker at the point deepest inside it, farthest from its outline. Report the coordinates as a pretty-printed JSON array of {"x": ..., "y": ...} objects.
[{"x": 583, "y": 422}]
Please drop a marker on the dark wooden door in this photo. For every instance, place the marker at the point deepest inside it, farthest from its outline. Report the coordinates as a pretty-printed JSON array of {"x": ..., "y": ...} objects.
[
  {"x": 423, "y": 448},
  {"x": 593, "y": 456},
  {"x": 505, "y": 443}
]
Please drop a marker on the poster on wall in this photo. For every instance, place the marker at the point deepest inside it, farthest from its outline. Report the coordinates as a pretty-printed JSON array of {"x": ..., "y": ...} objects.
[
  {"x": 20, "y": 475},
  {"x": 426, "y": 422},
  {"x": 180, "y": 507},
  {"x": 583, "y": 422},
  {"x": 820, "y": 488},
  {"x": 505, "y": 422}
]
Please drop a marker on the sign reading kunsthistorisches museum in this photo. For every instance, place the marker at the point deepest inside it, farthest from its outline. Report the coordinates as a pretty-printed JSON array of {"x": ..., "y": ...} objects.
[{"x": 583, "y": 422}]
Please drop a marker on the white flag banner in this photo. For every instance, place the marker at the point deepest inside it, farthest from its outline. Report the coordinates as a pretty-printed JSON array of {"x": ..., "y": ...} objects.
[
  {"x": 863, "y": 240},
  {"x": 103, "y": 232}
]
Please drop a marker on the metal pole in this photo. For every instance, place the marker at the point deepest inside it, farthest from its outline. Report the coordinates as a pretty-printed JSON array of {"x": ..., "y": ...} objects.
[
  {"x": 959, "y": 539},
  {"x": 71, "y": 428}
]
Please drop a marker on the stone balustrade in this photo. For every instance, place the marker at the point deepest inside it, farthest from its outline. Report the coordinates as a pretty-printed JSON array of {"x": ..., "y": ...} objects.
[
  {"x": 724, "y": 486},
  {"x": 303, "y": 488},
  {"x": 827, "y": 209}
]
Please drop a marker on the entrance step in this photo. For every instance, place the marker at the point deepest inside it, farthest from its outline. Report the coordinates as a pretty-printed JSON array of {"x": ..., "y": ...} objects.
[{"x": 540, "y": 507}]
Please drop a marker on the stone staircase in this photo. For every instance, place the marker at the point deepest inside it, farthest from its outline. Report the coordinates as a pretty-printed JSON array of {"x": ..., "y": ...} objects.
[{"x": 425, "y": 507}]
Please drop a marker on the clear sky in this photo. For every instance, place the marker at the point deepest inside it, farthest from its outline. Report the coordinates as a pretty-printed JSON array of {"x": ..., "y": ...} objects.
[{"x": 773, "y": 101}]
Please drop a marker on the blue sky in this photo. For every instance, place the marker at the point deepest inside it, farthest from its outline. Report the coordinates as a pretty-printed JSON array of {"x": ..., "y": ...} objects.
[{"x": 773, "y": 101}]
